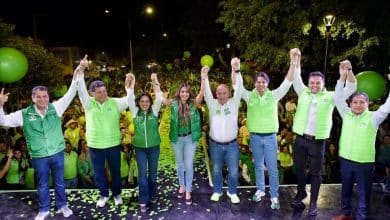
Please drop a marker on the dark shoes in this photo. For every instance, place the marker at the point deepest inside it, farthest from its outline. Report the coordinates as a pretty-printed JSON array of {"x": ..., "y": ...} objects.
[
  {"x": 189, "y": 201},
  {"x": 313, "y": 209},
  {"x": 180, "y": 195},
  {"x": 297, "y": 201}
]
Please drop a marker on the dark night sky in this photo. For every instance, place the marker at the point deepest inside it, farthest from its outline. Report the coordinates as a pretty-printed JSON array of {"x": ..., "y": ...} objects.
[{"x": 84, "y": 24}]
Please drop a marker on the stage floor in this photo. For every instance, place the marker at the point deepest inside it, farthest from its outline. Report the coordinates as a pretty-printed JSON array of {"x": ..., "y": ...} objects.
[{"x": 23, "y": 205}]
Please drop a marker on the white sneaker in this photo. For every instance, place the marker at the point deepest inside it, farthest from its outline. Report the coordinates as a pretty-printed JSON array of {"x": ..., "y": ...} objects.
[
  {"x": 118, "y": 200},
  {"x": 41, "y": 215},
  {"x": 257, "y": 196},
  {"x": 275, "y": 203},
  {"x": 233, "y": 198},
  {"x": 216, "y": 196},
  {"x": 66, "y": 212},
  {"x": 102, "y": 202}
]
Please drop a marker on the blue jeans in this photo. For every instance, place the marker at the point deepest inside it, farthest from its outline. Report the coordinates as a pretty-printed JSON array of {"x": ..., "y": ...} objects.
[
  {"x": 184, "y": 150},
  {"x": 99, "y": 158},
  {"x": 229, "y": 154},
  {"x": 71, "y": 183},
  {"x": 363, "y": 174},
  {"x": 147, "y": 161},
  {"x": 264, "y": 148},
  {"x": 43, "y": 167}
]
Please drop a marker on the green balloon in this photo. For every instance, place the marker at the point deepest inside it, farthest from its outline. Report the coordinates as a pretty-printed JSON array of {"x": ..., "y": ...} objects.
[
  {"x": 372, "y": 83},
  {"x": 207, "y": 60},
  {"x": 13, "y": 65},
  {"x": 187, "y": 54}
]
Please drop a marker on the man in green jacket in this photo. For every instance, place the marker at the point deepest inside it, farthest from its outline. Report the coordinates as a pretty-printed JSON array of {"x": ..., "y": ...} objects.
[
  {"x": 312, "y": 124},
  {"x": 42, "y": 126},
  {"x": 357, "y": 146},
  {"x": 103, "y": 134}
]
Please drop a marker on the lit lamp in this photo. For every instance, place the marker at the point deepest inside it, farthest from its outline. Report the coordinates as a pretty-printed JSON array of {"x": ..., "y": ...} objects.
[{"x": 328, "y": 21}]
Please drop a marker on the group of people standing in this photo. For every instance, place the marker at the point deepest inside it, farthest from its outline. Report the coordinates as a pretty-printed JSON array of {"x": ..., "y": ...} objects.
[
  {"x": 41, "y": 122},
  {"x": 312, "y": 125}
]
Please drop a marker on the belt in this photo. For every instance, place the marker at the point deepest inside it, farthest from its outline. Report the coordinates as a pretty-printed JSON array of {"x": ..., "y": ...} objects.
[
  {"x": 223, "y": 143},
  {"x": 308, "y": 137},
  {"x": 262, "y": 134},
  {"x": 183, "y": 135}
]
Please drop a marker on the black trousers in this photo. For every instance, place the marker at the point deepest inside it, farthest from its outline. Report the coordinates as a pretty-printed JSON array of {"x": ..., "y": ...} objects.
[{"x": 309, "y": 152}]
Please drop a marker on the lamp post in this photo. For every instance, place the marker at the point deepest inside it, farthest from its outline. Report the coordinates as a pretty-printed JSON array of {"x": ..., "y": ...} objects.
[
  {"x": 328, "y": 21},
  {"x": 149, "y": 10}
]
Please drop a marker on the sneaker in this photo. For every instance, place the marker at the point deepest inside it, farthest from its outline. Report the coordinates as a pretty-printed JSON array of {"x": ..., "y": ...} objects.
[
  {"x": 66, "y": 212},
  {"x": 215, "y": 197},
  {"x": 143, "y": 208},
  {"x": 118, "y": 200},
  {"x": 233, "y": 198},
  {"x": 102, "y": 202},
  {"x": 41, "y": 215},
  {"x": 275, "y": 203},
  {"x": 257, "y": 196}
]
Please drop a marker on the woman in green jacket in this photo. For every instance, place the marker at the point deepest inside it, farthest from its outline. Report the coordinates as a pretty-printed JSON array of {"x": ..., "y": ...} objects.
[
  {"x": 184, "y": 134},
  {"x": 146, "y": 140}
]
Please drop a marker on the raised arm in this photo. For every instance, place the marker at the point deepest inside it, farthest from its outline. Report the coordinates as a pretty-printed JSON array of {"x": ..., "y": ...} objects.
[
  {"x": 208, "y": 95},
  {"x": 157, "y": 92},
  {"x": 295, "y": 64},
  {"x": 82, "y": 88},
  {"x": 12, "y": 120},
  {"x": 130, "y": 80},
  {"x": 62, "y": 104},
  {"x": 338, "y": 95},
  {"x": 282, "y": 90},
  {"x": 351, "y": 84},
  {"x": 123, "y": 102},
  {"x": 237, "y": 82},
  {"x": 199, "y": 97},
  {"x": 380, "y": 115}
]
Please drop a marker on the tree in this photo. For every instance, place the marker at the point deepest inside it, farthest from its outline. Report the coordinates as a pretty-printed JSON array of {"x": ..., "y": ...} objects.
[
  {"x": 265, "y": 30},
  {"x": 43, "y": 67}
]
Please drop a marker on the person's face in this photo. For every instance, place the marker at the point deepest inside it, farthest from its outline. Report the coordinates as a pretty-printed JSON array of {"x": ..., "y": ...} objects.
[
  {"x": 261, "y": 84},
  {"x": 3, "y": 147},
  {"x": 285, "y": 149},
  {"x": 100, "y": 94},
  {"x": 40, "y": 99},
  {"x": 358, "y": 104},
  {"x": 144, "y": 103},
  {"x": 223, "y": 94},
  {"x": 316, "y": 84},
  {"x": 73, "y": 125},
  {"x": 68, "y": 148},
  {"x": 81, "y": 132},
  {"x": 17, "y": 154},
  {"x": 184, "y": 94}
]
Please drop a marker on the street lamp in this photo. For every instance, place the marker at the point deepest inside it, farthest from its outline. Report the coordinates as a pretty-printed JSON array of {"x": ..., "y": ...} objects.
[
  {"x": 149, "y": 10},
  {"x": 328, "y": 21}
]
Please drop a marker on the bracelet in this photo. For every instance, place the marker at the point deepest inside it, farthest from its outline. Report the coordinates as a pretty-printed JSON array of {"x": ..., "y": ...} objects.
[
  {"x": 156, "y": 84},
  {"x": 237, "y": 71},
  {"x": 293, "y": 62}
]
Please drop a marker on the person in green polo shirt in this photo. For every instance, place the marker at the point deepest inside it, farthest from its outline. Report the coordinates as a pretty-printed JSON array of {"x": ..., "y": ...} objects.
[
  {"x": 357, "y": 146},
  {"x": 146, "y": 140},
  {"x": 312, "y": 124}
]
